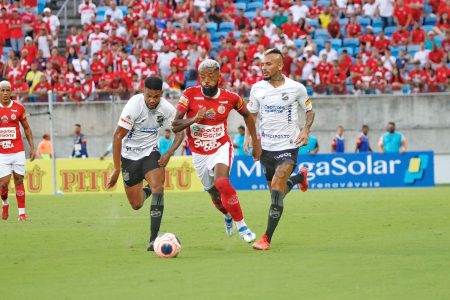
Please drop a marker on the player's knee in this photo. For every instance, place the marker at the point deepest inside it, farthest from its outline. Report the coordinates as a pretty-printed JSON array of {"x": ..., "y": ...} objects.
[
  {"x": 157, "y": 187},
  {"x": 280, "y": 173},
  {"x": 136, "y": 205},
  {"x": 223, "y": 185},
  {"x": 214, "y": 193}
]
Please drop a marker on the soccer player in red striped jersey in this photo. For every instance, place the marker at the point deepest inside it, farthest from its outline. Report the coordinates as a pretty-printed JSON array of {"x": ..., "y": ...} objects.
[
  {"x": 206, "y": 108},
  {"x": 12, "y": 154}
]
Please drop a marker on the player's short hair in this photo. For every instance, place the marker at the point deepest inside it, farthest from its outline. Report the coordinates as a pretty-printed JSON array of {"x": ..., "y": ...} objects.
[
  {"x": 5, "y": 83},
  {"x": 241, "y": 127},
  {"x": 273, "y": 51},
  {"x": 209, "y": 63},
  {"x": 78, "y": 125},
  {"x": 365, "y": 126},
  {"x": 153, "y": 83},
  {"x": 391, "y": 123}
]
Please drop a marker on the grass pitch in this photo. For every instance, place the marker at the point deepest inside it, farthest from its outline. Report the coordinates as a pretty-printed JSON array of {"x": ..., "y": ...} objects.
[{"x": 346, "y": 244}]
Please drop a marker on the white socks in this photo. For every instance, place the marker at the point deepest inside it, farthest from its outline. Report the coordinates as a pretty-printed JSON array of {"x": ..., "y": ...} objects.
[
  {"x": 21, "y": 211},
  {"x": 5, "y": 202},
  {"x": 240, "y": 224}
]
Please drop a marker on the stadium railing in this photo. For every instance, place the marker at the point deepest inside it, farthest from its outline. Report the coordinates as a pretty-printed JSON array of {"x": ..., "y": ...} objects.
[{"x": 63, "y": 10}]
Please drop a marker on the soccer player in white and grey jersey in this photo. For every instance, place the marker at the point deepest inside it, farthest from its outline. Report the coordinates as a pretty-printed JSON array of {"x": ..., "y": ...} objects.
[
  {"x": 135, "y": 148},
  {"x": 276, "y": 100}
]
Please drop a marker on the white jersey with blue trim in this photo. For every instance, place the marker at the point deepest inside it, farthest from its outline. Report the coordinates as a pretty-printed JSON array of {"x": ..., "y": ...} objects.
[
  {"x": 278, "y": 112},
  {"x": 143, "y": 125}
]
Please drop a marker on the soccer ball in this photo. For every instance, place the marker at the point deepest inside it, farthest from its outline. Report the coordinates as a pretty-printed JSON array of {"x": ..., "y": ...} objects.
[{"x": 167, "y": 245}]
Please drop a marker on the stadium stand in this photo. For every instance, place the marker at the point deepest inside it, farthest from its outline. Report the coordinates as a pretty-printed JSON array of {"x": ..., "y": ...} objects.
[{"x": 112, "y": 49}]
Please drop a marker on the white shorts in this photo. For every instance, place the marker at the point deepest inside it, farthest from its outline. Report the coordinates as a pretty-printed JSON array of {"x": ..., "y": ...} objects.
[
  {"x": 14, "y": 162},
  {"x": 204, "y": 163}
]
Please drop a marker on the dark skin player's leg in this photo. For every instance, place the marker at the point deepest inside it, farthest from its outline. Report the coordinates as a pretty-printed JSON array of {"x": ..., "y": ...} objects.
[
  {"x": 136, "y": 195},
  {"x": 4, "y": 182}
]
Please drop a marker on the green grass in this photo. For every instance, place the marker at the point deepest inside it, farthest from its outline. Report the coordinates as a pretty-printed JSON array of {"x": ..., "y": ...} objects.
[{"x": 346, "y": 244}]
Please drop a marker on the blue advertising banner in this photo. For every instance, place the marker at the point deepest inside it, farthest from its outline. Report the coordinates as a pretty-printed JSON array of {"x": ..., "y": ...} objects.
[{"x": 347, "y": 170}]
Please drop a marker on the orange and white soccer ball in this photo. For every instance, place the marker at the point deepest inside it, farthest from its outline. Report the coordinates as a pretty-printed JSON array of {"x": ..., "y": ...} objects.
[{"x": 167, "y": 245}]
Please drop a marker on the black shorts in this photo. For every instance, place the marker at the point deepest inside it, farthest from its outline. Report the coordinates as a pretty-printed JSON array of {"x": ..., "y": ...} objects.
[
  {"x": 271, "y": 159},
  {"x": 133, "y": 171}
]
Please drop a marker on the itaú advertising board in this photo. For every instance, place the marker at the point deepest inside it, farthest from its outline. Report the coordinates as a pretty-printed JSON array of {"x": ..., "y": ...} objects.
[{"x": 347, "y": 170}]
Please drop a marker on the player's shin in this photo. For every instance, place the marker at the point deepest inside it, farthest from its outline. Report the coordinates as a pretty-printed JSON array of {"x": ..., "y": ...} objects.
[
  {"x": 216, "y": 200},
  {"x": 20, "y": 195},
  {"x": 275, "y": 212},
  {"x": 156, "y": 213},
  {"x": 229, "y": 199}
]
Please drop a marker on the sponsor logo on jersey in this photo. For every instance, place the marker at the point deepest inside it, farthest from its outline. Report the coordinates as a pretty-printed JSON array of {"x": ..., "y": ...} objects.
[
  {"x": 274, "y": 136},
  {"x": 7, "y": 144},
  {"x": 223, "y": 102},
  {"x": 4, "y": 119},
  {"x": 160, "y": 120},
  {"x": 278, "y": 109},
  {"x": 14, "y": 110},
  {"x": 199, "y": 98},
  {"x": 210, "y": 114},
  {"x": 221, "y": 109},
  {"x": 13, "y": 117},
  {"x": 183, "y": 101},
  {"x": 148, "y": 129},
  {"x": 284, "y": 96},
  {"x": 207, "y": 132},
  {"x": 7, "y": 133},
  {"x": 207, "y": 145},
  {"x": 126, "y": 121}
]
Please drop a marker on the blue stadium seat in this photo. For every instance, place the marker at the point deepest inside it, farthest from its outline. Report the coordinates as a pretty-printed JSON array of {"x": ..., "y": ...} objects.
[
  {"x": 390, "y": 30},
  {"x": 211, "y": 27},
  {"x": 252, "y": 6},
  {"x": 124, "y": 9},
  {"x": 428, "y": 9},
  {"x": 376, "y": 30},
  {"x": 299, "y": 43},
  {"x": 237, "y": 34},
  {"x": 349, "y": 88},
  {"x": 216, "y": 36},
  {"x": 307, "y": 3},
  {"x": 195, "y": 25},
  {"x": 377, "y": 23},
  {"x": 409, "y": 67},
  {"x": 313, "y": 23},
  {"x": 226, "y": 26},
  {"x": 216, "y": 45},
  {"x": 101, "y": 10},
  {"x": 250, "y": 14},
  {"x": 99, "y": 18},
  {"x": 364, "y": 21},
  {"x": 267, "y": 13},
  {"x": 241, "y": 1},
  {"x": 310, "y": 90},
  {"x": 350, "y": 50},
  {"x": 262, "y": 1},
  {"x": 351, "y": 43},
  {"x": 412, "y": 49},
  {"x": 430, "y": 21},
  {"x": 428, "y": 28},
  {"x": 321, "y": 34},
  {"x": 320, "y": 43},
  {"x": 336, "y": 43},
  {"x": 323, "y": 3},
  {"x": 177, "y": 24},
  {"x": 343, "y": 22},
  {"x": 241, "y": 5}
]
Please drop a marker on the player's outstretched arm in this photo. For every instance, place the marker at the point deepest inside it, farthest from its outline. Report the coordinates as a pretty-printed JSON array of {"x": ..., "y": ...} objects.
[
  {"x": 179, "y": 124},
  {"x": 248, "y": 139},
  {"x": 302, "y": 138},
  {"x": 164, "y": 160},
  {"x": 119, "y": 134},
  {"x": 251, "y": 128},
  {"x": 29, "y": 136}
]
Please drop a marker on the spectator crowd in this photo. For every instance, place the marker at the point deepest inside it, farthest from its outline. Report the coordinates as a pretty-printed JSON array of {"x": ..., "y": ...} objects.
[{"x": 333, "y": 47}]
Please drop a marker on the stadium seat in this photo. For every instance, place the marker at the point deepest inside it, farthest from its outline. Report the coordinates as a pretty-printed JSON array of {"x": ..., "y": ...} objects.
[
  {"x": 195, "y": 25},
  {"x": 267, "y": 13},
  {"x": 299, "y": 43},
  {"x": 390, "y": 30},
  {"x": 430, "y": 21},
  {"x": 250, "y": 14},
  {"x": 226, "y": 26},
  {"x": 343, "y": 22},
  {"x": 99, "y": 18},
  {"x": 349, "y": 88},
  {"x": 351, "y": 43},
  {"x": 377, "y": 23},
  {"x": 350, "y": 50},
  {"x": 241, "y": 1},
  {"x": 428, "y": 28},
  {"x": 307, "y": 3},
  {"x": 252, "y": 6},
  {"x": 177, "y": 24},
  {"x": 310, "y": 90},
  {"x": 211, "y": 27},
  {"x": 376, "y": 30},
  {"x": 323, "y": 3},
  {"x": 190, "y": 83},
  {"x": 336, "y": 43},
  {"x": 241, "y": 5},
  {"x": 262, "y": 1},
  {"x": 428, "y": 9},
  {"x": 101, "y": 10},
  {"x": 364, "y": 21},
  {"x": 237, "y": 34},
  {"x": 409, "y": 67},
  {"x": 320, "y": 43},
  {"x": 216, "y": 45},
  {"x": 124, "y": 9},
  {"x": 412, "y": 49},
  {"x": 313, "y": 23},
  {"x": 216, "y": 36}
]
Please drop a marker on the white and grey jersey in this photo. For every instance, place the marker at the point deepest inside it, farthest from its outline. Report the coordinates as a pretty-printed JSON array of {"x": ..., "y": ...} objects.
[
  {"x": 143, "y": 125},
  {"x": 278, "y": 112}
]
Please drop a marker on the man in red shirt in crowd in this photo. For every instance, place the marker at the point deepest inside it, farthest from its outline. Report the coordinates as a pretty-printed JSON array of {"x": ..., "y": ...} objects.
[
  {"x": 334, "y": 27},
  {"x": 368, "y": 37},
  {"x": 323, "y": 68},
  {"x": 415, "y": 8},
  {"x": 417, "y": 34},
  {"x": 357, "y": 70},
  {"x": 15, "y": 71},
  {"x": 41, "y": 89},
  {"x": 402, "y": 14},
  {"x": 62, "y": 89},
  {"x": 15, "y": 31},
  {"x": 4, "y": 25},
  {"x": 314, "y": 10},
  {"x": 176, "y": 79},
  {"x": 179, "y": 61},
  {"x": 97, "y": 68},
  {"x": 336, "y": 80},
  {"x": 400, "y": 37},
  {"x": 382, "y": 42},
  {"x": 12, "y": 150},
  {"x": 417, "y": 78},
  {"x": 353, "y": 28},
  {"x": 436, "y": 56},
  {"x": 259, "y": 19}
]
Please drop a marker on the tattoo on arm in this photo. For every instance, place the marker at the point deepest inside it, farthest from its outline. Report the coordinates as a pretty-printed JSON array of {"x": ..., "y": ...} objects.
[{"x": 309, "y": 119}]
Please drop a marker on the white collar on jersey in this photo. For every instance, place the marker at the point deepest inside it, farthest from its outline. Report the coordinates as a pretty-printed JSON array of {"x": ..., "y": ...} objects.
[{"x": 9, "y": 105}]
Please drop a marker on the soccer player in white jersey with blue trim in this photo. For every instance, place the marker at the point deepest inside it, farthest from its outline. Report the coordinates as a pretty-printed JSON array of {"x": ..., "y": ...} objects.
[
  {"x": 275, "y": 102},
  {"x": 135, "y": 150}
]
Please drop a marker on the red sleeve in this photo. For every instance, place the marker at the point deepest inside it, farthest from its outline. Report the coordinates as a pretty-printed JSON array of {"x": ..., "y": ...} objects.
[
  {"x": 183, "y": 103},
  {"x": 240, "y": 104}
]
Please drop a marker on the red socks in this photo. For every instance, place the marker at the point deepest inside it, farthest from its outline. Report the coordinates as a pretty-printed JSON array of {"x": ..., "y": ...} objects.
[
  {"x": 20, "y": 195},
  {"x": 229, "y": 198},
  {"x": 4, "y": 193}
]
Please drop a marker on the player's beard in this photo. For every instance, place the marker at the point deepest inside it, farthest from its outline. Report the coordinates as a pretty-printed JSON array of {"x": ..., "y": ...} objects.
[
  {"x": 267, "y": 78},
  {"x": 210, "y": 91}
]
